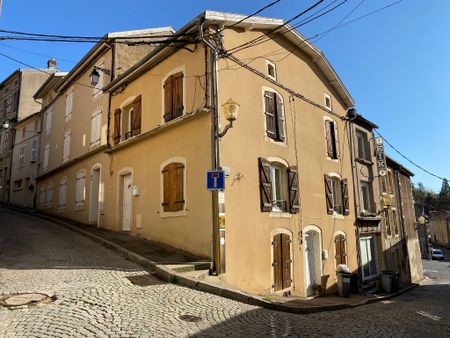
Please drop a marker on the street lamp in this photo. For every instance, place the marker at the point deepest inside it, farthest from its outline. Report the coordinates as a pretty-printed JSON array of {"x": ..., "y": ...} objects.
[
  {"x": 230, "y": 111},
  {"x": 95, "y": 75},
  {"x": 6, "y": 124}
]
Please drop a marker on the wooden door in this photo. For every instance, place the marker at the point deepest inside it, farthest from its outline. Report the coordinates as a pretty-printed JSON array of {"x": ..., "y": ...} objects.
[{"x": 281, "y": 262}]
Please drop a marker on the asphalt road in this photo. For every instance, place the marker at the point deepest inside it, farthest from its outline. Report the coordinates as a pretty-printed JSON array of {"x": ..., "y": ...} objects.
[{"x": 94, "y": 296}]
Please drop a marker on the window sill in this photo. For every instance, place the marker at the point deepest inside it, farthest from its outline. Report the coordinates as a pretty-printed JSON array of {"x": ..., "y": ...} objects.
[
  {"x": 94, "y": 145},
  {"x": 337, "y": 216},
  {"x": 279, "y": 143},
  {"x": 62, "y": 208},
  {"x": 169, "y": 214},
  {"x": 336, "y": 160},
  {"x": 363, "y": 161},
  {"x": 280, "y": 214}
]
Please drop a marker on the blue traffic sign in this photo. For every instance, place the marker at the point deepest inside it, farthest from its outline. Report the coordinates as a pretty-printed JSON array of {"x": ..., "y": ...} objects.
[{"x": 215, "y": 180}]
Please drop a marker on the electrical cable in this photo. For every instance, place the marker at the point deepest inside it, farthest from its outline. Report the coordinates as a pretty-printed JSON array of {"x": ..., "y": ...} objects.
[{"x": 36, "y": 53}]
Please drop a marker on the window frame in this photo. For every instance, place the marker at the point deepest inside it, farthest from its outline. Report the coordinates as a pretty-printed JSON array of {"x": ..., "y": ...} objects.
[
  {"x": 325, "y": 98},
  {"x": 274, "y": 67},
  {"x": 366, "y": 186}
]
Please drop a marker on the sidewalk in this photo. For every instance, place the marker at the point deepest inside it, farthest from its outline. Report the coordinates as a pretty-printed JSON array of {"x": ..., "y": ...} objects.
[{"x": 176, "y": 266}]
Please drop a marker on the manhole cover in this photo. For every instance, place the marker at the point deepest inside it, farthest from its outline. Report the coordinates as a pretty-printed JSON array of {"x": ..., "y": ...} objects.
[
  {"x": 190, "y": 318},
  {"x": 23, "y": 299},
  {"x": 143, "y": 280}
]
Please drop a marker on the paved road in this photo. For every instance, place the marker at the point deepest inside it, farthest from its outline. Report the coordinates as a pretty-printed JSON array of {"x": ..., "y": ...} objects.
[{"x": 94, "y": 297}]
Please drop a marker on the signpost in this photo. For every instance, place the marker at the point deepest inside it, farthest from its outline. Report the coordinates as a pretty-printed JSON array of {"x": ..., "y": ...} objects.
[
  {"x": 381, "y": 157},
  {"x": 215, "y": 180}
]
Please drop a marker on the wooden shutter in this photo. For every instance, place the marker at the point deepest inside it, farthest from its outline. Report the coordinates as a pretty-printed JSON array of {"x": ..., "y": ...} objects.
[
  {"x": 178, "y": 186},
  {"x": 277, "y": 263},
  {"x": 167, "y": 188},
  {"x": 329, "y": 138},
  {"x": 286, "y": 255},
  {"x": 271, "y": 124},
  {"x": 116, "y": 135},
  {"x": 345, "y": 200},
  {"x": 341, "y": 256},
  {"x": 329, "y": 195},
  {"x": 177, "y": 94},
  {"x": 265, "y": 186},
  {"x": 168, "y": 102},
  {"x": 293, "y": 189},
  {"x": 137, "y": 112},
  {"x": 280, "y": 118}
]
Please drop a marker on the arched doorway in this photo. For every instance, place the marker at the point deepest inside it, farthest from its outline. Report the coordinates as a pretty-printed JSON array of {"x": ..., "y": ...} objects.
[{"x": 313, "y": 262}]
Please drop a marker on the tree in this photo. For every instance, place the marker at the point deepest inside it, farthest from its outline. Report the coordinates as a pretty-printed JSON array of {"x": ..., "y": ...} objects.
[{"x": 445, "y": 189}]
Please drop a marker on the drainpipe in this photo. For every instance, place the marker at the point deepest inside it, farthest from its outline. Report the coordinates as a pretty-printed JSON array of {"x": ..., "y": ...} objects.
[
  {"x": 111, "y": 78},
  {"x": 355, "y": 199},
  {"x": 215, "y": 149}
]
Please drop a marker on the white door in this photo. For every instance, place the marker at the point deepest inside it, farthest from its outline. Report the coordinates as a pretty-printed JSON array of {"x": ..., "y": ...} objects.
[
  {"x": 126, "y": 208},
  {"x": 95, "y": 189},
  {"x": 310, "y": 263}
]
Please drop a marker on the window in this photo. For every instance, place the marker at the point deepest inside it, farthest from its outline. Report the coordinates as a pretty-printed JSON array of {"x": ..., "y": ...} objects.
[
  {"x": 98, "y": 88},
  {"x": 18, "y": 185},
  {"x": 24, "y": 130},
  {"x": 127, "y": 121},
  {"x": 278, "y": 187},
  {"x": 363, "y": 146},
  {"x": 80, "y": 195},
  {"x": 62, "y": 192},
  {"x": 327, "y": 101},
  {"x": 5, "y": 140},
  {"x": 387, "y": 222},
  {"x": 34, "y": 146},
  {"x": 48, "y": 120},
  {"x": 271, "y": 70},
  {"x": 46, "y": 156},
  {"x": 173, "y": 96},
  {"x": 368, "y": 256},
  {"x": 331, "y": 139},
  {"x": 66, "y": 148},
  {"x": 42, "y": 191},
  {"x": 336, "y": 194},
  {"x": 21, "y": 161},
  {"x": 69, "y": 105},
  {"x": 49, "y": 195},
  {"x": 340, "y": 249},
  {"x": 366, "y": 197},
  {"x": 273, "y": 110},
  {"x": 173, "y": 187},
  {"x": 390, "y": 182},
  {"x": 96, "y": 125},
  {"x": 395, "y": 222}
]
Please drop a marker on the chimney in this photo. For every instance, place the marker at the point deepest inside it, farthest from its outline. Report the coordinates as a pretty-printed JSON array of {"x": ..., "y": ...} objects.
[{"x": 51, "y": 63}]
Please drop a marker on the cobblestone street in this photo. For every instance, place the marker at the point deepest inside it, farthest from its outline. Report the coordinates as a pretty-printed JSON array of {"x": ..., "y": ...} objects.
[{"x": 94, "y": 297}]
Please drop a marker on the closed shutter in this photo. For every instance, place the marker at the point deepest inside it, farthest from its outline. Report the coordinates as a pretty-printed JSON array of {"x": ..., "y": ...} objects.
[
  {"x": 177, "y": 94},
  {"x": 62, "y": 193},
  {"x": 277, "y": 263},
  {"x": 173, "y": 185},
  {"x": 116, "y": 135},
  {"x": 66, "y": 149},
  {"x": 286, "y": 254},
  {"x": 293, "y": 189},
  {"x": 137, "y": 115},
  {"x": 178, "y": 182},
  {"x": 280, "y": 119},
  {"x": 96, "y": 119},
  {"x": 167, "y": 191},
  {"x": 340, "y": 247},
  {"x": 46, "y": 156},
  {"x": 271, "y": 123},
  {"x": 48, "y": 120},
  {"x": 168, "y": 108},
  {"x": 345, "y": 199},
  {"x": 42, "y": 191},
  {"x": 80, "y": 195},
  {"x": 49, "y": 197},
  {"x": 69, "y": 105},
  {"x": 265, "y": 186},
  {"x": 329, "y": 195},
  {"x": 34, "y": 146}
]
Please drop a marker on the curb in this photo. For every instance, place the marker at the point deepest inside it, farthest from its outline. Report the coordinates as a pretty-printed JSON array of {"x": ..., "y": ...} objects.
[{"x": 170, "y": 276}]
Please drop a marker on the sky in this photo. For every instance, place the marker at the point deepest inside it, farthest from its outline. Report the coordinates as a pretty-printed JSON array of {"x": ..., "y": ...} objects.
[{"x": 395, "y": 63}]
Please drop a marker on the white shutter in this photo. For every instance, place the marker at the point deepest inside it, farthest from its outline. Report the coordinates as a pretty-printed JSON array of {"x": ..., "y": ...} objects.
[
  {"x": 49, "y": 197},
  {"x": 46, "y": 155},
  {"x": 80, "y": 190},
  {"x": 48, "y": 120},
  {"x": 63, "y": 192},
  {"x": 21, "y": 157},
  {"x": 34, "y": 146},
  {"x": 42, "y": 196},
  {"x": 96, "y": 120},
  {"x": 69, "y": 106},
  {"x": 66, "y": 148}
]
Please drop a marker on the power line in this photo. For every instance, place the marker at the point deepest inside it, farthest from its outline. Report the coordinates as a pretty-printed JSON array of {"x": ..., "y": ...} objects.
[
  {"x": 36, "y": 53},
  {"x": 409, "y": 160},
  {"x": 24, "y": 64}
]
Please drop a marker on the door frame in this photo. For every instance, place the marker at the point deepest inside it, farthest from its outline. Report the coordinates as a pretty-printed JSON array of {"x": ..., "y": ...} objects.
[
  {"x": 119, "y": 196},
  {"x": 272, "y": 277},
  {"x": 319, "y": 267},
  {"x": 92, "y": 217}
]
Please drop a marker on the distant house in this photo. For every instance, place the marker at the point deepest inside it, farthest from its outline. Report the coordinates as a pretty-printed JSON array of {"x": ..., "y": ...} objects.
[{"x": 439, "y": 228}]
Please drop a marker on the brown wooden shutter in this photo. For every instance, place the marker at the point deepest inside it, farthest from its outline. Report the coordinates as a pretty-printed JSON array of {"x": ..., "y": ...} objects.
[
  {"x": 117, "y": 116},
  {"x": 265, "y": 186},
  {"x": 277, "y": 263},
  {"x": 177, "y": 94},
  {"x": 137, "y": 112},
  {"x": 178, "y": 185},
  {"x": 280, "y": 118},
  {"x": 340, "y": 248},
  {"x": 286, "y": 256},
  {"x": 345, "y": 199},
  {"x": 329, "y": 195},
  {"x": 271, "y": 123},
  {"x": 329, "y": 138},
  {"x": 167, "y": 188},
  {"x": 168, "y": 108},
  {"x": 293, "y": 189}
]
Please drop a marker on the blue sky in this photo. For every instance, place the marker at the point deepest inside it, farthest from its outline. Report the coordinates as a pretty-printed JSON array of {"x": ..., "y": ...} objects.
[{"x": 395, "y": 63}]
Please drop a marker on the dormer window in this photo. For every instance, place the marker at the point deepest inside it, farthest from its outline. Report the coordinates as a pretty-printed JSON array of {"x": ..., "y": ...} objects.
[{"x": 271, "y": 70}]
